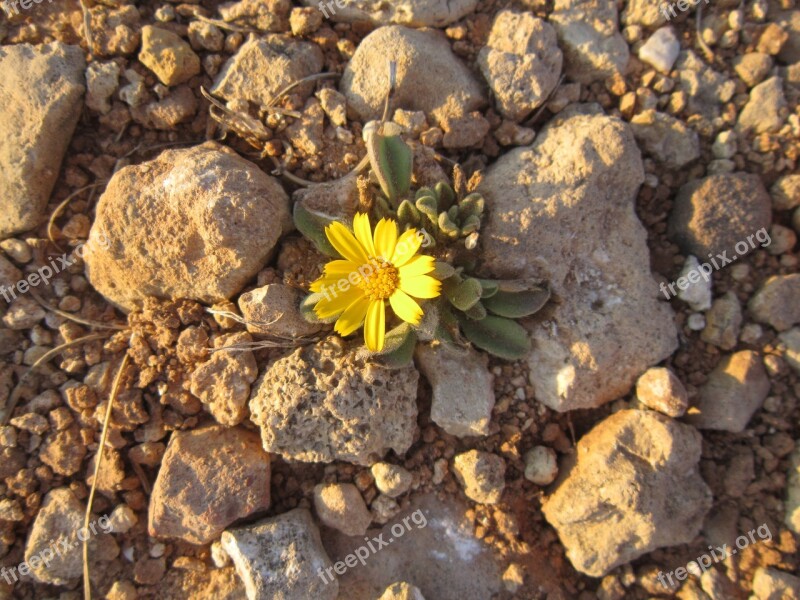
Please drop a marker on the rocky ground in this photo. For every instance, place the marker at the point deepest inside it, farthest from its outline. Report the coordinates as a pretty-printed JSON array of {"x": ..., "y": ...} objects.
[{"x": 620, "y": 154}]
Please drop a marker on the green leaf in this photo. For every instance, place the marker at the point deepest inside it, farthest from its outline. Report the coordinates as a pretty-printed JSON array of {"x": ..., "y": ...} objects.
[
  {"x": 307, "y": 309},
  {"x": 445, "y": 194},
  {"x": 392, "y": 161},
  {"x": 446, "y": 226},
  {"x": 424, "y": 191},
  {"x": 476, "y": 312},
  {"x": 502, "y": 337},
  {"x": 427, "y": 206},
  {"x": 407, "y": 214},
  {"x": 398, "y": 349},
  {"x": 466, "y": 294},
  {"x": 312, "y": 225},
  {"x": 470, "y": 224},
  {"x": 472, "y": 205},
  {"x": 516, "y": 305},
  {"x": 489, "y": 288},
  {"x": 443, "y": 270}
]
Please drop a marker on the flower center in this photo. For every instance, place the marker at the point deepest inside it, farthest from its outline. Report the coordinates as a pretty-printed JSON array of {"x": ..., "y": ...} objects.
[{"x": 381, "y": 279}]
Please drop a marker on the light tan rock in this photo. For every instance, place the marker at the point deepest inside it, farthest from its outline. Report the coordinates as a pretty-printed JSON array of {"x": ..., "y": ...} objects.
[
  {"x": 167, "y": 55},
  {"x": 327, "y": 402},
  {"x": 562, "y": 210},
  {"x": 619, "y": 500},
  {"x": 481, "y": 474},
  {"x": 340, "y": 505},
  {"x": 274, "y": 310},
  {"x": 392, "y": 480},
  {"x": 41, "y": 98},
  {"x": 660, "y": 389},
  {"x": 196, "y": 223},
  {"x": 735, "y": 389},
  {"x": 209, "y": 478},
  {"x": 414, "y": 13},
  {"x": 430, "y": 77},
  {"x": 775, "y": 302}
]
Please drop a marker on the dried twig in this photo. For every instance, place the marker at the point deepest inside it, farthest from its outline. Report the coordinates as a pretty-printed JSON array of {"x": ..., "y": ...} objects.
[
  {"x": 87, "y": 585},
  {"x": 225, "y": 25},
  {"x": 71, "y": 317},
  {"x": 61, "y": 207}
]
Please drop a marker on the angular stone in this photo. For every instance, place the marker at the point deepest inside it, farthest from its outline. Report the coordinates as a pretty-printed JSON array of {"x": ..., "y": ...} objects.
[
  {"x": 481, "y": 474},
  {"x": 735, "y": 389},
  {"x": 196, "y": 223},
  {"x": 790, "y": 347},
  {"x": 328, "y": 402},
  {"x": 223, "y": 382},
  {"x": 521, "y": 61},
  {"x": 592, "y": 45},
  {"x": 562, "y": 210},
  {"x": 661, "y": 49},
  {"x": 666, "y": 138},
  {"x": 774, "y": 584},
  {"x": 792, "y": 504},
  {"x": 167, "y": 55},
  {"x": 712, "y": 214},
  {"x": 430, "y": 77},
  {"x": 724, "y": 322},
  {"x": 706, "y": 89},
  {"x": 265, "y": 65},
  {"x": 414, "y": 13},
  {"x": 619, "y": 500},
  {"x": 209, "y": 478},
  {"x": 391, "y": 480},
  {"x": 61, "y": 518},
  {"x": 775, "y": 302},
  {"x": 463, "y": 392},
  {"x": 766, "y": 110},
  {"x": 340, "y": 505},
  {"x": 752, "y": 67},
  {"x": 402, "y": 591},
  {"x": 281, "y": 557},
  {"x": 275, "y": 310},
  {"x": 41, "y": 97},
  {"x": 660, "y": 389}
]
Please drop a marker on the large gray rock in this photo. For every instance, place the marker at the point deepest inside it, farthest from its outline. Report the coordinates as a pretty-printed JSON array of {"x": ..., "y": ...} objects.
[
  {"x": 196, "y": 223},
  {"x": 463, "y": 392},
  {"x": 666, "y": 138},
  {"x": 563, "y": 210},
  {"x": 521, "y": 61},
  {"x": 281, "y": 558},
  {"x": 766, "y": 110},
  {"x": 209, "y": 478},
  {"x": 414, "y": 13},
  {"x": 735, "y": 389},
  {"x": 712, "y": 214},
  {"x": 41, "y": 97},
  {"x": 327, "y": 402},
  {"x": 61, "y": 517},
  {"x": 620, "y": 500},
  {"x": 593, "y": 47},
  {"x": 430, "y": 77},
  {"x": 264, "y": 66}
]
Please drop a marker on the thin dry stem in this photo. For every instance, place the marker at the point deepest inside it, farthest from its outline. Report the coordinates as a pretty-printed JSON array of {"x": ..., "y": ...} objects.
[
  {"x": 61, "y": 207},
  {"x": 71, "y": 317},
  {"x": 87, "y": 585}
]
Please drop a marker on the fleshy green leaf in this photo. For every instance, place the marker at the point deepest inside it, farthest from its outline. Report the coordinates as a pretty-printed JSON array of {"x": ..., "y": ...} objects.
[
  {"x": 498, "y": 336},
  {"x": 424, "y": 191},
  {"x": 398, "y": 349},
  {"x": 407, "y": 214},
  {"x": 470, "y": 224},
  {"x": 516, "y": 305},
  {"x": 427, "y": 206},
  {"x": 391, "y": 160},
  {"x": 446, "y": 226},
  {"x": 445, "y": 194},
  {"x": 472, "y": 205},
  {"x": 312, "y": 225},
  {"x": 489, "y": 288},
  {"x": 443, "y": 270},
  {"x": 466, "y": 294},
  {"x": 476, "y": 312}
]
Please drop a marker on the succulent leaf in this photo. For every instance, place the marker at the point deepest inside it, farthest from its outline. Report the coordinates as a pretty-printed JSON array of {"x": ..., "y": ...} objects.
[
  {"x": 445, "y": 194},
  {"x": 443, "y": 270},
  {"x": 427, "y": 205},
  {"x": 307, "y": 309},
  {"x": 407, "y": 214},
  {"x": 312, "y": 225},
  {"x": 398, "y": 349},
  {"x": 392, "y": 161},
  {"x": 516, "y": 305},
  {"x": 489, "y": 288},
  {"x": 476, "y": 312},
  {"x": 499, "y": 336},
  {"x": 465, "y": 295},
  {"x": 472, "y": 205}
]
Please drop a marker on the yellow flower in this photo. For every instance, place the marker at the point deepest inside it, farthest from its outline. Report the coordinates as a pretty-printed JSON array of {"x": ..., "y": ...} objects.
[{"x": 373, "y": 270}]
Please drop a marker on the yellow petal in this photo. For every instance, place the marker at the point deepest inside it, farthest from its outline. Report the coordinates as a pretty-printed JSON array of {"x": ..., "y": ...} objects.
[
  {"x": 364, "y": 232},
  {"x": 340, "y": 267},
  {"x": 385, "y": 239},
  {"x": 345, "y": 243},
  {"x": 406, "y": 247},
  {"x": 405, "y": 307},
  {"x": 353, "y": 317},
  {"x": 419, "y": 265},
  {"x": 420, "y": 286},
  {"x": 336, "y": 302},
  {"x": 375, "y": 326}
]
